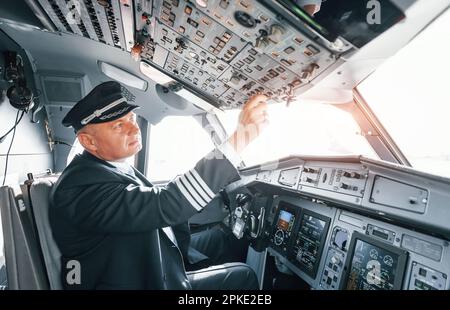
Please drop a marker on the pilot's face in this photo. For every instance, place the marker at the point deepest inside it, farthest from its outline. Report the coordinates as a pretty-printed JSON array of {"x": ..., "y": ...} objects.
[{"x": 113, "y": 141}]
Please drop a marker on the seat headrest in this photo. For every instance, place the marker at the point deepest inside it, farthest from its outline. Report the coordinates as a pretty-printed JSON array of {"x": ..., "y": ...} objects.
[{"x": 40, "y": 201}]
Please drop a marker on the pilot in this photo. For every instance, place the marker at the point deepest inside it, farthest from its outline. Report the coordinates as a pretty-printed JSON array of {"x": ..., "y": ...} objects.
[
  {"x": 310, "y": 6},
  {"x": 113, "y": 227}
]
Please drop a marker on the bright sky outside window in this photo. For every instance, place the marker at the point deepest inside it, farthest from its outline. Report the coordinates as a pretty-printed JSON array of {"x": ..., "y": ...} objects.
[
  {"x": 410, "y": 95},
  {"x": 176, "y": 144},
  {"x": 304, "y": 128}
]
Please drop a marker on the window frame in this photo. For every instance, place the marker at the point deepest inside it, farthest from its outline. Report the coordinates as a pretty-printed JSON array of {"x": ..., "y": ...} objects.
[{"x": 375, "y": 133}]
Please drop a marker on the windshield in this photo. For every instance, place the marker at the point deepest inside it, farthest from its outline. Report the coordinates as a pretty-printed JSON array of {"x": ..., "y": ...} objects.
[
  {"x": 303, "y": 128},
  {"x": 410, "y": 95}
]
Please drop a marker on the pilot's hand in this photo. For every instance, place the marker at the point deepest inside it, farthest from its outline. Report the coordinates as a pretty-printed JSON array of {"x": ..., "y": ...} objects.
[
  {"x": 310, "y": 6},
  {"x": 311, "y": 9},
  {"x": 252, "y": 120}
]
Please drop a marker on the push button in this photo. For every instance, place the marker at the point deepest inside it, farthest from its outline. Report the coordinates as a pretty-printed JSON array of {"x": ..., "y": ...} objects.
[{"x": 422, "y": 272}]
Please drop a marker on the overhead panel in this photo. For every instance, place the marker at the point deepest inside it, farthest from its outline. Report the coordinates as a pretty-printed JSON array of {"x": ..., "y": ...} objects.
[
  {"x": 84, "y": 18},
  {"x": 224, "y": 51},
  {"x": 99, "y": 20},
  {"x": 242, "y": 45}
]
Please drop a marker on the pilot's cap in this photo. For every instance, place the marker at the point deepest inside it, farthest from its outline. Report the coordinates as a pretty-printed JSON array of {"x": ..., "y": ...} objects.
[{"x": 104, "y": 103}]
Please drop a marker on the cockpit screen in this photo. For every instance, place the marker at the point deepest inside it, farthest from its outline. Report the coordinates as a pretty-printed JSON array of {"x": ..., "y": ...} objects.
[
  {"x": 284, "y": 225},
  {"x": 359, "y": 22},
  {"x": 374, "y": 266},
  {"x": 284, "y": 220},
  {"x": 308, "y": 244}
]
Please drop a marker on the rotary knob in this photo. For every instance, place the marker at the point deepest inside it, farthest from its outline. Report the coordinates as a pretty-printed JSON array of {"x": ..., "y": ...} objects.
[
  {"x": 335, "y": 260},
  {"x": 279, "y": 237}
]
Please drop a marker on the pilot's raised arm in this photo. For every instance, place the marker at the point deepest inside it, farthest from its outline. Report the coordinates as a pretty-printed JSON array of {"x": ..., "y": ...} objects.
[
  {"x": 110, "y": 218},
  {"x": 310, "y": 6}
]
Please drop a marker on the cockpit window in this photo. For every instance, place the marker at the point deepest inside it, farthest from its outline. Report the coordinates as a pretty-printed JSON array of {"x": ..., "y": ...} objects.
[
  {"x": 303, "y": 128},
  {"x": 410, "y": 96},
  {"x": 176, "y": 144}
]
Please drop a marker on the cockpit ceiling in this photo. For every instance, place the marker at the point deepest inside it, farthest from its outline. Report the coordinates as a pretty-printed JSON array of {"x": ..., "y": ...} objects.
[{"x": 224, "y": 52}]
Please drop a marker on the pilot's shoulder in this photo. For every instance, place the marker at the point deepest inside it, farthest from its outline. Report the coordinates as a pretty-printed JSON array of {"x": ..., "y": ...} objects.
[{"x": 84, "y": 171}]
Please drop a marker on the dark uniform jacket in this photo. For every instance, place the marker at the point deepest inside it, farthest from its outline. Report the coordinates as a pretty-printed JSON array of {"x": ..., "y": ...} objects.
[{"x": 110, "y": 222}]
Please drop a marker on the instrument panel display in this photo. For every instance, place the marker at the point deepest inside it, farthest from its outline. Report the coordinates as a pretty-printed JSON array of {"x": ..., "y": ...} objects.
[
  {"x": 285, "y": 220},
  {"x": 308, "y": 244},
  {"x": 284, "y": 225},
  {"x": 374, "y": 265}
]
